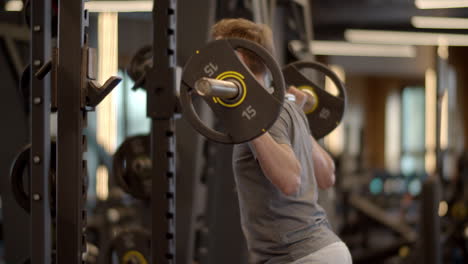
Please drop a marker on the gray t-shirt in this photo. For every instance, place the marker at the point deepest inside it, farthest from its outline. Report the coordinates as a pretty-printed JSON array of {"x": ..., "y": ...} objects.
[{"x": 280, "y": 228}]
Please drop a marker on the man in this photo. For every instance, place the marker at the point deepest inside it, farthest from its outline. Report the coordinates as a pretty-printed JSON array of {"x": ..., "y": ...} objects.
[{"x": 277, "y": 175}]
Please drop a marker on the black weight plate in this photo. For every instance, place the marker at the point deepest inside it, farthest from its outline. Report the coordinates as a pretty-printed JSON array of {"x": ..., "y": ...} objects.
[
  {"x": 20, "y": 164},
  {"x": 54, "y": 12},
  {"x": 132, "y": 168},
  {"x": 19, "y": 187},
  {"x": 24, "y": 86},
  {"x": 330, "y": 109},
  {"x": 132, "y": 246},
  {"x": 249, "y": 117},
  {"x": 139, "y": 64},
  {"x": 27, "y": 12}
]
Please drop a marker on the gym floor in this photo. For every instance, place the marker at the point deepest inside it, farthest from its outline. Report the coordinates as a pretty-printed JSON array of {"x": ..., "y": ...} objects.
[{"x": 397, "y": 126}]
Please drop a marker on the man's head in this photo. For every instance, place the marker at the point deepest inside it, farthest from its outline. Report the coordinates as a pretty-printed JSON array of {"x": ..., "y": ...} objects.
[{"x": 245, "y": 29}]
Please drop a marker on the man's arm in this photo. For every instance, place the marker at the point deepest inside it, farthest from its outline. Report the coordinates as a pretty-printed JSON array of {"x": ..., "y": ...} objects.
[
  {"x": 278, "y": 163},
  {"x": 324, "y": 166}
]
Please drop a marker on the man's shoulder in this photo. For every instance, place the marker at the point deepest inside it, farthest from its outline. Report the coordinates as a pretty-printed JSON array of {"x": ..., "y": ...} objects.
[
  {"x": 292, "y": 111},
  {"x": 291, "y": 108}
]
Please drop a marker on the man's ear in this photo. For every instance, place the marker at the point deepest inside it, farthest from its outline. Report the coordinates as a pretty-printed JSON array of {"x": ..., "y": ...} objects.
[{"x": 241, "y": 56}]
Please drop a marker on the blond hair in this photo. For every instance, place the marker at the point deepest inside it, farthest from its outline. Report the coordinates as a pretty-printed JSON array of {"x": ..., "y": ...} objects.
[{"x": 246, "y": 29}]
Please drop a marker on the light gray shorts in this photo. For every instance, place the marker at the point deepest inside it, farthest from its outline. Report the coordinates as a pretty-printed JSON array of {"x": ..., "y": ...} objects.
[{"x": 335, "y": 253}]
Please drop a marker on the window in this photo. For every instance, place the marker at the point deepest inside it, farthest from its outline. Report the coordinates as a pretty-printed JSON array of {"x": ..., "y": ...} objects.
[
  {"x": 413, "y": 130},
  {"x": 132, "y": 119},
  {"x": 392, "y": 131}
]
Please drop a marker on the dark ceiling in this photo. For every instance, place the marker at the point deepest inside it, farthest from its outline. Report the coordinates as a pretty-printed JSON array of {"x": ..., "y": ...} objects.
[{"x": 332, "y": 17}]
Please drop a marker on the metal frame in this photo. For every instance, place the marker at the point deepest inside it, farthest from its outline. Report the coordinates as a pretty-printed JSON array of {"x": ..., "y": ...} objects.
[
  {"x": 11, "y": 33},
  {"x": 71, "y": 167},
  {"x": 430, "y": 242},
  {"x": 308, "y": 26},
  {"x": 74, "y": 92},
  {"x": 161, "y": 107},
  {"x": 41, "y": 235}
]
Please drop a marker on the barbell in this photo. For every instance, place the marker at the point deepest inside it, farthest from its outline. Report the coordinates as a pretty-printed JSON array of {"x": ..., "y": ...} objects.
[{"x": 243, "y": 106}]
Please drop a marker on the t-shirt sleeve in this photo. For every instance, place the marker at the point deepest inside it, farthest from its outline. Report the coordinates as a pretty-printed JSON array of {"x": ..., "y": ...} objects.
[
  {"x": 280, "y": 131},
  {"x": 304, "y": 117},
  {"x": 307, "y": 124}
]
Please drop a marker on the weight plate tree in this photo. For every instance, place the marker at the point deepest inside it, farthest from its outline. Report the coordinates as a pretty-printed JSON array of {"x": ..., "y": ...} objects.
[
  {"x": 328, "y": 111},
  {"x": 245, "y": 108}
]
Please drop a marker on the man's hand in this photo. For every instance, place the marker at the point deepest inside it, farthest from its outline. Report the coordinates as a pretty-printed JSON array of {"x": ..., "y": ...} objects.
[{"x": 304, "y": 98}]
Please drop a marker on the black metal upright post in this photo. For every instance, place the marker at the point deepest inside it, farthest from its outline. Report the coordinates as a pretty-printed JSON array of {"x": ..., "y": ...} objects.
[
  {"x": 431, "y": 249},
  {"x": 71, "y": 117},
  {"x": 161, "y": 105},
  {"x": 41, "y": 242}
]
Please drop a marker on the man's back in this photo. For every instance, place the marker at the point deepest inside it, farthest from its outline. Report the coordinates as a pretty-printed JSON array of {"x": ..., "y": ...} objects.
[{"x": 280, "y": 228}]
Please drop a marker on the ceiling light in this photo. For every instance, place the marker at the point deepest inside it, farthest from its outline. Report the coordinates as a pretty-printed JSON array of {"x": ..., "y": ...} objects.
[
  {"x": 14, "y": 5},
  {"x": 440, "y": 4},
  {"x": 342, "y": 48},
  {"x": 439, "y": 22},
  {"x": 119, "y": 6},
  {"x": 405, "y": 38}
]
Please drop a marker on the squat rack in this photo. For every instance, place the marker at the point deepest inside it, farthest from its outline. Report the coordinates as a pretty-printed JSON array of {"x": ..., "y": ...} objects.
[
  {"x": 40, "y": 218},
  {"x": 161, "y": 108},
  {"x": 76, "y": 94}
]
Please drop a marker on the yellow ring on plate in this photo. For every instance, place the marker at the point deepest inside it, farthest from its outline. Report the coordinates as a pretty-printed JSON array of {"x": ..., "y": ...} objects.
[
  {"x": 314, "y": 95},
  {"x": 239, "y": 77},
  {"x": 134, "y": 253}
]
